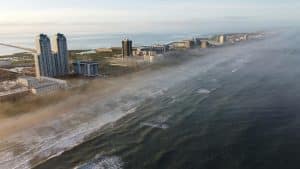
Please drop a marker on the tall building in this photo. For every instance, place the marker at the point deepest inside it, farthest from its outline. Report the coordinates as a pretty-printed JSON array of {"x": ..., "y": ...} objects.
[
  {"x": 127, "y": 48},
  {"x": 44, "y": 60},
  {"x": 48, "y": 63},
  {"x": 60, "y": 53},
  {"x": 221, "y": 39}
]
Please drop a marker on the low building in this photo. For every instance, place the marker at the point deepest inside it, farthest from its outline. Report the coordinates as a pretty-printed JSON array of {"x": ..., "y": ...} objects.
[
  {"x": 11, "y": 90},
  {"x": 5, "y": 63},
  {"x": 86, "y": 68},
  {"x": 42, "y": 85},
  {"x": 202, "y": 42},
  {"x": 238, "y": 37},
  {"x": 185, "y": 44},
  {"x": 104, "y": 50},
  {"x": 152, "y": 50}
]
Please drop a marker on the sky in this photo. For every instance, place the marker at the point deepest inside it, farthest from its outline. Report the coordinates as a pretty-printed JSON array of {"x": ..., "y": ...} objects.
[{"x": 143, "y": 15}]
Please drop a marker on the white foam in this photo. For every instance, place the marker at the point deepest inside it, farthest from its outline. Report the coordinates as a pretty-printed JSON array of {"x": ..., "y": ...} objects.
[
  {"x": 155, "y": 125},
  {"x": 158, "y": 122},
  {"x": 203, "y": 91},
  {"x": 6, "y": 156},
  {"x": 234, "y": 70},
  {"x": 103, "y": 163}
]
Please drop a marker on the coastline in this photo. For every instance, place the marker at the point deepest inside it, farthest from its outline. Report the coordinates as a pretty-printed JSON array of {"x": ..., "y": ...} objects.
[
  {"x": 109, "y": 102},
  {"x": 107, "y": 86}
]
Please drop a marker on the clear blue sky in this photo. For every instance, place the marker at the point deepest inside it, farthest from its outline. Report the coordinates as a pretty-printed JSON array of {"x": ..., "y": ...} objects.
[{"x": 138, "y": 15}]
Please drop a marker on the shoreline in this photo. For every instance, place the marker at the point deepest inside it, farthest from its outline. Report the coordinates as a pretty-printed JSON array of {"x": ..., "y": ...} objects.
[
  {"x": 106, "y": 88},
  {"x": 109, "y": 90}
]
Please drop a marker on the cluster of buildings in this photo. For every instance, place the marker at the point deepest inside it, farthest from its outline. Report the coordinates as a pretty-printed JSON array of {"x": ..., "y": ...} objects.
[
  {"x": 157, "y": 51},
  {"x": 51, "y": 61},
  {"x": 233, "y": 38},
  {"x": 151, "y": 50}
]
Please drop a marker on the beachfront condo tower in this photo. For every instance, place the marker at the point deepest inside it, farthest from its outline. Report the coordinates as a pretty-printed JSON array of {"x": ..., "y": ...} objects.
[
  {"x": 51, "y": 62},
  {"x": 44, "y": 60},
  {"x": 60, "y": 53},
  {"x": 126, "y": 48}
]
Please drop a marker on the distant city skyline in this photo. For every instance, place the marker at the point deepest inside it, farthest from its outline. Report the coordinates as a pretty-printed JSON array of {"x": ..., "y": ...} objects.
[{"x": 141, "y": 16}]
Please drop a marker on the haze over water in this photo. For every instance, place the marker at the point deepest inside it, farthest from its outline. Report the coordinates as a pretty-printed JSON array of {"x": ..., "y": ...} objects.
[{"x": 237, "y": 108}]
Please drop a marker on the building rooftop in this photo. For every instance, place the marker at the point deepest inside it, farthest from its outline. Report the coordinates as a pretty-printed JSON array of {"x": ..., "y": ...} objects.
[
  {"x": 86, "y": 62},
  {"x": 14, "y": 91}
]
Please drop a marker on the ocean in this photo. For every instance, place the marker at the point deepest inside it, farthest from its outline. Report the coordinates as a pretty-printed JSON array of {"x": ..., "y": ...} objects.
[{"x": 232, "y": 108}]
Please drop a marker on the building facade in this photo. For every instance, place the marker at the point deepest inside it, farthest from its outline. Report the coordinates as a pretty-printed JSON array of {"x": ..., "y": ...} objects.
[
  {"x": 60, "y": 51},
  {"x": 202, "y": 42},
  {"x": 152, "y": 50},
  {"x": 42, "y": 85},
  {"x": 221, "y": 39},
  {"x": 127, "y": 48},
  {"x": 44, "y": 60},
  {"x": 51, "y": 60},
  {"x": 86, "y": 68},
  {"x": 185, "y": 44}
]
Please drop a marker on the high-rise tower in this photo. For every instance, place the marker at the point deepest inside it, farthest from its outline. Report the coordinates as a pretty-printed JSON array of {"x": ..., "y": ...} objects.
[
  {"x": 60, "y": 52},
  {"x": 126, "y": 48},
  {"x": 44, "y": 60}
]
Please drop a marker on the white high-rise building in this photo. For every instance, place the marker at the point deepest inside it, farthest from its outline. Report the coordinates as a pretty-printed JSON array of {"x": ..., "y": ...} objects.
[
  {"x": 44, "y": 60},
  {"x": 60, "y": 49}
]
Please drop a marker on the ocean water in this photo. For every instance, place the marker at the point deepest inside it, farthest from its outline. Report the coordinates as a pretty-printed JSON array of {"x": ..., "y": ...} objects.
[{"x": 241, "y": 113}]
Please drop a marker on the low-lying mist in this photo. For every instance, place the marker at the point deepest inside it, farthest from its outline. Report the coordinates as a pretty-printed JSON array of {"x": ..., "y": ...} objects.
[{"x": 65, "y": 119}]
